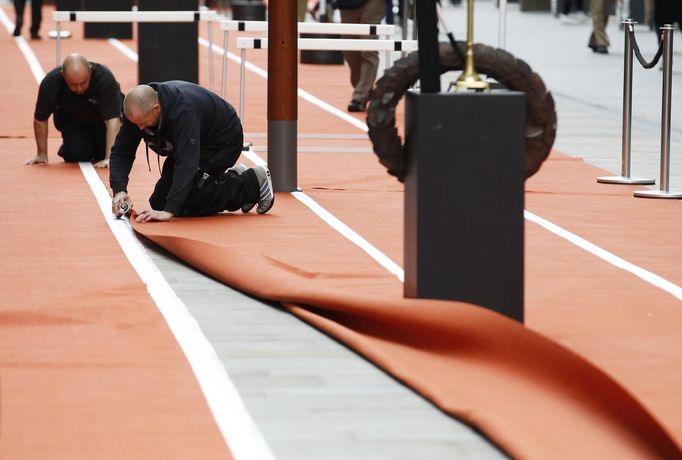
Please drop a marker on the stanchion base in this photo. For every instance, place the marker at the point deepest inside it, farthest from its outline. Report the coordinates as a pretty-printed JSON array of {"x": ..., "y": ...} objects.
[
  {"x": 62, "y": 34},
  {"x": 658, "y": 194},
  {"x": 625, "y": 180}
]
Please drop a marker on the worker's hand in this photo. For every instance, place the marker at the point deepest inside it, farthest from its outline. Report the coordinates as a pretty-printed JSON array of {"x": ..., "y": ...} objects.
[
  {"x": 121, "y": 204},
  {"x": 149, "y": 215},
  {"x": 39, "y": 159},
  {"x": 102, "y": 164}
]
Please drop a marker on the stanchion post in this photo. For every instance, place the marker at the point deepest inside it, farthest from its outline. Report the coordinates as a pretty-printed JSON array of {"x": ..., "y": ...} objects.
[
  {"x": 211, "y": 77},
  {"x": 242, "y": 74},
  {"x": 502, "y": 25},
  {"x": 664, "y": 191},
  {"x": 59, "y": 43},
  {"x": 223, "y": 76},
  {"x": 626, "y": 144},
  {"x": 404, "y": 15}
]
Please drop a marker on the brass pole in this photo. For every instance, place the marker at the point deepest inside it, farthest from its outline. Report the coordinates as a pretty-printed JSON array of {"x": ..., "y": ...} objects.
[{"x": 470, "y": 79}]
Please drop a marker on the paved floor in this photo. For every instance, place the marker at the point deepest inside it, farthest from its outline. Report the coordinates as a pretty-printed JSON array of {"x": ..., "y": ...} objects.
[
  {"x": 588, "y": 87},
  {"x": 313, "y": 398}
]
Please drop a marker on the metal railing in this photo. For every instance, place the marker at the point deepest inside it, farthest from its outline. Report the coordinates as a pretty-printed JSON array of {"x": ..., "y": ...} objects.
[{"x": 666, "y": 51}]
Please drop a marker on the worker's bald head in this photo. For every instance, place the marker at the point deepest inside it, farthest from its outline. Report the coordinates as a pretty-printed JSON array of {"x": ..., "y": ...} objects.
[
  {"x": 76, "y": 71},
  {"x": 141, "y": 106}
]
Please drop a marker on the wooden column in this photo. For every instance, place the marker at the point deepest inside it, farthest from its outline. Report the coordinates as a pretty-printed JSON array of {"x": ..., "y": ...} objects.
[{"x": 282, "y": 97}]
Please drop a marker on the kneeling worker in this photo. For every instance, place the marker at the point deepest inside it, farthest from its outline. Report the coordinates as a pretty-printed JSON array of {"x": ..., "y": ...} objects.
[
  {"x": 201, "y": 137},
  {"x": 85, "y": 99}
]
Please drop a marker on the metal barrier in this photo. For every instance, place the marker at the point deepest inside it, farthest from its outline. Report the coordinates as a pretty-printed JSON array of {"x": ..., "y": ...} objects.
[
  {"x": 138, "y": 16},
  {"x": 328, "y": 44},
  {"x": 665, "y": 50},
  {"x": 663, "y": 191},
  {"x": 626, "y": 142},
  {"x": 227, "y": 26}
]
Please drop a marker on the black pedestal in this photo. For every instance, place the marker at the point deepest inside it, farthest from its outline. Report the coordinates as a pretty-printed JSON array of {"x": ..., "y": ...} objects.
[
  {"x": 168, "y": 51},
  {"x": 248, "y": 10},
  {"x": 107, "y": 29},
  {"x": 67, "y": 5},
  {"x": 321, "y": 56},
  {"x": 464, "y": 193},
  {"x": 637, "y": 10}
]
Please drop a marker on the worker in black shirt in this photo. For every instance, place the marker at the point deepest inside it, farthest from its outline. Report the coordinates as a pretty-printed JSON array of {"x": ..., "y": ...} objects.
[
  {"x": 85, "y": 99},
  {"x": 201, "y": 137}
]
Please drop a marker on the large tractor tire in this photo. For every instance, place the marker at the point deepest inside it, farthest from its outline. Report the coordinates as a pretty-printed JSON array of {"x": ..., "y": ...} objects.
[{"x": 513, "y": 73}]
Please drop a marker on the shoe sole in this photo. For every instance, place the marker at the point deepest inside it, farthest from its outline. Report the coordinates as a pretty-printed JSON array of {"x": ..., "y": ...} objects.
[{"x": 268, "y": 183}]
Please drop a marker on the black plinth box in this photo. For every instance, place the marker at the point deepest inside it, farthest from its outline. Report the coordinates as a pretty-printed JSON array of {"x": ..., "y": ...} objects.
[
  {"x": 107, "y": 29},
  {"x": 168, "y": 51},
  {"x": 464, "y": 194},
  {"x": 321, "y": 56},
  {"x": 67, "y": 5},
  {"x": 248, "y": 10}
]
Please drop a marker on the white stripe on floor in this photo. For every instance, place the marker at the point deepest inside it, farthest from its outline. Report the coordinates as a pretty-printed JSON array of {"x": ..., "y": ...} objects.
[
  {"x": 394, "y": 268},
  {"x": 649, "y": 277},
  {"x": 236, "y": 425}
]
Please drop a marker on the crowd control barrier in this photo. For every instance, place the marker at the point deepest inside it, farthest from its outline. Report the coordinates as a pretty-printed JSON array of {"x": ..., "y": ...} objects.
[
  {"x": 663, "y": 191},
  {"x": 384, "y": 31},
  {"x": 666, "y": 50},
  {"x": 329, "y": 44},
  {"x": 137, "y": 16}
]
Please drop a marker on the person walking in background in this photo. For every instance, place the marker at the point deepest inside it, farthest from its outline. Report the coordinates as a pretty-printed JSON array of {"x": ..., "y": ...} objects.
[
  {"x": 566, "y": 16},
  {"x": 36, "y": 17},
  {"x": 363, "y": 64},
  {"x": 599, "y": 41},
  {"x": 667, "y": 12},
  {"x": 302, "y": 9}
]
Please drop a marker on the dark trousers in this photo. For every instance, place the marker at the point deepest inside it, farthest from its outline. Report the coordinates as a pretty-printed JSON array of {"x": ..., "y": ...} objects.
[
  {"x": 36, "y": 15},
  {"x": 363, "y": 64},
  {"x": 667, "y": 12},
  {"x": 81, "y": 141},
  {"x": 217, "y": 192},
  {"x": 567, "y": 4}
]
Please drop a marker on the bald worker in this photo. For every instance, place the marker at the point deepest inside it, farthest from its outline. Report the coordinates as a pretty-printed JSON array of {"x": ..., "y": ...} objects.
[
  {"x": 85, "y": 99},
  {"x": 200, "y": 136}
]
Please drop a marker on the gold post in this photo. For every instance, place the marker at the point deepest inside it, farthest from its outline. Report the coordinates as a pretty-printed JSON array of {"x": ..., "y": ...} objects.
[{"x": 470, "y": 79}]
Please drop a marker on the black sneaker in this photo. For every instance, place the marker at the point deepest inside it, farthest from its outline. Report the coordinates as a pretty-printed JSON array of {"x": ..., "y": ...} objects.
[
  {"x": 599, "y": 49},
  {"x": 356, "y": 106}
]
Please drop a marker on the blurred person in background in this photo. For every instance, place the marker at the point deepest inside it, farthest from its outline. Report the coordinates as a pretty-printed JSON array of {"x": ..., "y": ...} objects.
[{"x": 36, "y": 17}]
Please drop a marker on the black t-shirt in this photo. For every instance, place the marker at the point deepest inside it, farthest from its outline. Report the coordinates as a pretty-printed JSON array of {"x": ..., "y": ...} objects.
[{"x": 102, "y": 101}]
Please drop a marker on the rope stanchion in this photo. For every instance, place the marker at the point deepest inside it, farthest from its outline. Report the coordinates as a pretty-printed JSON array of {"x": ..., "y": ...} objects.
[
  {"x": 647, "y": 65},
  {"x": 663, "y": 191},
  {"x": 625, "y": 178}
]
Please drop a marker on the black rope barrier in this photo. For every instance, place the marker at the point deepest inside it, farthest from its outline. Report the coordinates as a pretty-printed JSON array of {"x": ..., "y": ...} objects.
[{"x": 635, "y": 47}]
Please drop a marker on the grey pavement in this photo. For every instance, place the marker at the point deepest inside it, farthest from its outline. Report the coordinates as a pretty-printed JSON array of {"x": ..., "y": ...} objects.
[
  {"x": 588, "y": 87},
  {"x": 310, "y": 396}
]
